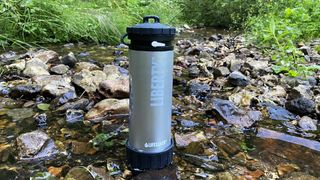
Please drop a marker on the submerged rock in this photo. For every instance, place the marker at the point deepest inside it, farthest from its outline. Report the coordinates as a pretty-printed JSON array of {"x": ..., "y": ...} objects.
[
  {"x": 79, "y": 173},
  {"x": 198, "y": 89},
  {"x": 89, "y": 80},
  {"x": 60, "y": 69},
  {"x": 108, "y": 107},
  {"x": 117, "y": 88},
  {"x": 80, "y": 104},
  {"x": 41, "y": 119},
  {"x": 168, "y": 173},
  {"x": 301, "y": 106},
  {"x": 275, "y": 112},
  {"x": 236, "y": 78},
  {"x": 35, "y": 145},
  {"x": 74, "y": 116},
  {"x": 227, "y": 111},
  {"x": 20, "y": 113}
]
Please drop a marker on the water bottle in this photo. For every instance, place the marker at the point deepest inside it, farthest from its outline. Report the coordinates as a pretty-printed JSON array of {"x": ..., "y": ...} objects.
[{"x": 150, "y": 144}]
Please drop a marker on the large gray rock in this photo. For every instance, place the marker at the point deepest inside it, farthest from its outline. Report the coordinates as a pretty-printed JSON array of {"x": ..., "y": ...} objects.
[
  {"x": 18, "y": 65},
  {"x": 112, "y": 71},
  {"x": 108, "y": 107},
  {"x": 301, "y": 106},
  {"x": 279, "y": 113},
  {"x": 89, "y": 80},
  {"x": 35, "y": 145},
  {"x": 301, "y": 91},
  {"x": 117, "y": 88},
  {"x": 35, "y": 67},
  {"x": 47, "y": 56},
  {"x": 60, "y": 69},
  {"x": 221, "y": 71}
]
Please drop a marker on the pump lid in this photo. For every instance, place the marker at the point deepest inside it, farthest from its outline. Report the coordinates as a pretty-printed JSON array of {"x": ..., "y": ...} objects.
[{"x": 150, "y": 28}]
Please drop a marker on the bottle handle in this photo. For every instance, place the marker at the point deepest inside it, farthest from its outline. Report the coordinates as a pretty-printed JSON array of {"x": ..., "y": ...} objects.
[
  {"x": 122, "y": 39},
  {"x": 146, "y": 19}
]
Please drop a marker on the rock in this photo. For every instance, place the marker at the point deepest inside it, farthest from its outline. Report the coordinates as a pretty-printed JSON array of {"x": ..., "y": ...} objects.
[
  {"x": 82, "y": 148},
  {"x": 299, "y": 176},
  {"x": 301, "y": 106},
  {"x": 193, "y": 51},
  {"x": 35, "y": 67},
  {"x": 5, "y": 152},
  {"x": 183, "y": 140},
  {"x": 305, "y": 50},
  {"x": 229, "y": 58},
  {"x": 112, "y": 72},
  {"x": 194, "y": 71},
  {"x": 74, "y": 116},
  {"x": 121, "y": 61},
  {"x": 275, "y": 112},
  {"x": 308, "y": 124},
  {"x": 7, "y": 172},
  {"x": 236, "y": 78},
  {"x": 18, "y": 65},
  {"x": 315, "y": 58},
  {"x": 69, "y": 60},
  {"x": 47, "y": 56},
  {"x": 9, "y": 103},
  {"x": 206, "y": 163},
  {"x": 35, "y": 145},
  {"x": 27, "y": 91},
  {"x": 56, "y": 171},
  {"x": 80, "y": 104},
  {"x": 20, "y": 113},
  {"x": 258, "y": 66},
  {"x": 47, "y": 79},
  {"x": 235, "y": 65},
  {"x": 79, "y": 173},
  {"x": 60, "y": 88},
  {"x": 242, "y": 98},
  {"x": 41, "y": 119},
  {"x": 301, "y": 91},
  {"x": 284, "y": 169},
  {"x": 84, "y": 54},
  {"x": 60, "y": 69},
  {"x": 68, "y": 45},
  {"x": 108, "y": 107},
  {"x": 117, "y": 88},
  {"x": 86, "y": 65},
  {"x": 64, "y": 98},
  {"x": 168, "y": 173},
  {"x": 4, "y": 89},
  {"x": 198, "y": 89},
  {"x": 188, "y": 123},
  {"x": 89, "y": 80},
  {"x": 228, "y": 145},
  {"x": 8, "y": 56},
  {"x": 227, "y": 111},
  {"x": 221, "y": 71},
  {"x": 215, "y": 37}
]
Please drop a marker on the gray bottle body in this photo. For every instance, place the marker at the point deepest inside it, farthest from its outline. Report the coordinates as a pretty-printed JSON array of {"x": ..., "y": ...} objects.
[{"x": 151, "y": 82}]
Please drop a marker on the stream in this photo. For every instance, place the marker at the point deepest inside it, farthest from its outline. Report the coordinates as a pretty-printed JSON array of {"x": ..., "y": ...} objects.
[{"x": 232, "y": 118}]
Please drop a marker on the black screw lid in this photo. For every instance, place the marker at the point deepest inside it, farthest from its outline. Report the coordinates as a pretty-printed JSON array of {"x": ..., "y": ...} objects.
[{"x": 147, "y": 28}]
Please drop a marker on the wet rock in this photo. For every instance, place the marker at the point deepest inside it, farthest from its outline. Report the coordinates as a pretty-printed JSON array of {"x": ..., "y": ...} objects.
[
  {"x": 215, "y": 37},
  {"x": 198, "y": 89},
  {"x": 227, "y": 111},
  {"x": 242, "y": 98},
  {"x": 108, "y": 107},
  {"x": 301, "y": 91},
  {"x": 299, "y": 176},
  {"x": 184, "y": 44},
  {"x": 20, "y": 113},
  {"x": 9, "y": 103},
  {"x": 89, "y": 80},
  {"x": 60, "y": 69},
  {"x": 35, "y": 145},
  {"x": 277, "y": 95},
  {"x": 25, "y": 91},
  {"x": 188, "y": 123},
  {"x": 221, "y": 71},
  {"x": 5, "y": 152},
  {"x": 228, "y": 145},
  {"x": 84, "y": 54},
  {"x": 56, "y": 171},
  {"x": 79, "y": 173},
  {"x": 204, "y": 162},
  {"x": 284, "y": 169},
  {"x": 117, "y": 88},
  {"x": 82, "y": 148},
  {"x": 74, "y": 116},
  {"x": 69, "y": 60},
  {"x": 236, "y": 78},
  {"x": 68, "y": 45},
  {"x": 66, "y": 97},
  {"x": 80, "y": 104},
  {"x": 308, "y": 124},
  {"x": 41, "y": 119},
  {"x": 183, "y": 140},
  {"x": 168, "y": 173},
  {"x": 194, "y": 71},
  {"x": 47, "y": 56},
  {"x": 18, "y": 65},
  {"x": 35, "y": 67},
  {"x": 4, "y": 90},
  {"x": 275, "y": 112},
  {"x": 301, "y": 106},
  {"x": 86, "y": 65}
]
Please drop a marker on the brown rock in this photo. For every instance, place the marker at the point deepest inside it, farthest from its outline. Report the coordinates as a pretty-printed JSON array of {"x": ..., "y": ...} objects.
[
  {"x": 117, "y": 88},
  {"x": 284, "y": 169},
  {"x": 183, "y": 140}
]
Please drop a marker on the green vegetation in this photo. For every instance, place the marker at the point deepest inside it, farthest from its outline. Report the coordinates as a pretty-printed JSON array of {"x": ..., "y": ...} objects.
[{"x": 30, "y": 22}]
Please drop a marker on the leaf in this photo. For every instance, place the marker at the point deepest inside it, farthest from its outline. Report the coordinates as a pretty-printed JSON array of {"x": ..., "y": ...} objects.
[
  {"x": 279, "y": 69},
  {"x": 293, "y": 73},
  {"x": 43, "y": 106}
]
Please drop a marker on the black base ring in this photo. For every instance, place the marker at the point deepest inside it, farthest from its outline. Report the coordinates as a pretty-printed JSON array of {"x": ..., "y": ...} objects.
[{"x": 149, "y": 161}]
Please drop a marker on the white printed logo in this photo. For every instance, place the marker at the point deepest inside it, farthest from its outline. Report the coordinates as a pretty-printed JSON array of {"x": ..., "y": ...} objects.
[{"x": 155, "y": 144}]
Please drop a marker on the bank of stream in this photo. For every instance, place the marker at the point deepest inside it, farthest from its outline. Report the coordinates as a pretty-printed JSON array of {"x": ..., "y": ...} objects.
[{"x": 64, "y": 113}]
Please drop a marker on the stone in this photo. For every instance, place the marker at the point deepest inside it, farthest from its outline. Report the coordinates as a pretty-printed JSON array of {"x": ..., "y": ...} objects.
[
  {"x": 284, "y": 169},
  {"x": 305, "y": 50},
  {"x": 5, "y": 152},
  {"x": 60, "y": 69},
  {"x": 183, "y": 140},
  {"x": 299, "y": 176},
  {"x": 86, "y": 65},
  {"x": 59, "y": 88},
  {"x": 26, "y": 91},
  {"x": 228, "y": 112},
  {"x": 108, "y": 107},
  {"x": 35, "y": 67},
  {"x": 301, "y": 106},
  {"x": 115, "y": 88},
  {"x": 35, "y": 145},
  {"x": 242, "y": 98},
  {"x": 301, "y": 91},
  {"x": 89, "y": 80},
  {"x": 82, "y": 148},
  {"x": 69, "y": 60},
  {"x": 228, "y": 145},
  {"x": 221, "y": 71},
  {"x": 79, "y": 173},
  {"x": 279, "y": 113},
  {"x": 193, "y": 51},
  {"x": 315, "y": 58},
  {"x": 307, "y": 124},
  {"x": 235, "y": 65},
  {"x": 8, "y": 56},
  {"x": 194, "y": 71},
  {"x": 41, "y": 119},
  {"x": 47, "y": 56},
  {"x": 188, "y": 123},
  {"x": 168, "y": 173},
  {"x": 18, "y": 65},
  {"x": 80, "y": 104},
  {"x": 236, "y": 78},
  {"x": 74, "y": 116},
  {"x": 43, "y": 80},
  {"x": 112, "y": 71},
  {"x": 20, "y": 113},
  {"x": 56, "y": 171},
  {"x": 258, "y": 66},
  {"x": 64, "y": 98},
  {"x": 198, "y": 89}
]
